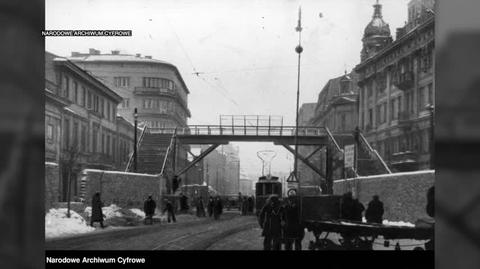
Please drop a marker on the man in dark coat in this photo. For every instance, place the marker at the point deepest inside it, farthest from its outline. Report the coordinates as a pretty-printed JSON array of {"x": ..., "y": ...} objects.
[
  {"x": 97, "y": 214},
  {"x": 271, "y": 219},
  {"x": 347, "y": 206},
  {"x": 293, "y": 230},
  {"x": 244, "y": 206},
  {"x": 200, "y": 207},
  {"x": 358, "y": 209},
  {"x": 149, "y": 207},
  {"x": 170, "y": 210},
  {"x": 183, "y": 203},
  {"x": 217, "y": 208},
  {"x": 210, "y": 206},
  {"x": 375, "y": 210},
  {"x": 251, "y": 204}
]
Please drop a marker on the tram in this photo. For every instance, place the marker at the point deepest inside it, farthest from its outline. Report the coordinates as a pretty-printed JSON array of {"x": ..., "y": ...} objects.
[{"x": 266, "y": 186}]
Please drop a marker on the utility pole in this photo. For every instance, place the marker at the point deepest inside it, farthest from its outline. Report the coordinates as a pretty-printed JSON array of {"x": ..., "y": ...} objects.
[
  {"x": 135, "y": 116},
  {"x": 299, "y": 51}
]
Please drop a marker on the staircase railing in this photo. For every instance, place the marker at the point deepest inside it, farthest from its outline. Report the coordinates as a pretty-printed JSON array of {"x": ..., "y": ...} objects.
[
  {"x": 169, "y": 148},
  {"x": 374, "y": 152},
  {"x": 130, "y": 159},
  {"x": 337, "y": 147}
]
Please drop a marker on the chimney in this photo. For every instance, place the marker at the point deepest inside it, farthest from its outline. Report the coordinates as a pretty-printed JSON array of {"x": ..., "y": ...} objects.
[
  {"x": 93, "y": 52},
  {"x": 138, "y": 55},
  {"x": 75, "y": 54},
  {"x": 115, "y": 52},
  {"x": 148, "y": 57}
]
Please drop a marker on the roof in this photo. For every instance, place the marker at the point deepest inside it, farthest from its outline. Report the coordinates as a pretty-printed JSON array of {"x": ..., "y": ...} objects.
[
  {"x": 126, "y": 58},
  {"x": 377, "y": 26},
  {"x": 86, "y": 76}
]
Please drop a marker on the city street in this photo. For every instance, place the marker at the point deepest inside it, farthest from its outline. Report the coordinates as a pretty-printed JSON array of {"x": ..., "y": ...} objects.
[{"x": 196, "y": 234}]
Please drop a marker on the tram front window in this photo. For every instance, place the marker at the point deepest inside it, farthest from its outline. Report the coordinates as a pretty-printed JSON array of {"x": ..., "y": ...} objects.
[{"x": 268, "y": 189}]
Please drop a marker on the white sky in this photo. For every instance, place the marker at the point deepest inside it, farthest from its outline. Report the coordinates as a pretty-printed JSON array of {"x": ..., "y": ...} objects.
[{"x": 244, "y": 48}]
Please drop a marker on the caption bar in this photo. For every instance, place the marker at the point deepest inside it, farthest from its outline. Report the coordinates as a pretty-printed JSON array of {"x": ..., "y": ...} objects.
[
  {"x": 86, "y": 32},
  {"x": 96, "y": 260}
]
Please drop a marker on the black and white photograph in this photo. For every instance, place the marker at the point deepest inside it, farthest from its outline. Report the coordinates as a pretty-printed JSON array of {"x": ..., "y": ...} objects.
[{"x": 239, "y": 125}]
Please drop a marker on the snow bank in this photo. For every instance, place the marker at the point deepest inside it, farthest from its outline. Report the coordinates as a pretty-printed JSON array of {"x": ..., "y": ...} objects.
[
  {"x": 109, "y": 211},
  {"x": 398, "y": 223},
  {"x": 57, "y": 223},
  {"x": 138, "y": 212}
]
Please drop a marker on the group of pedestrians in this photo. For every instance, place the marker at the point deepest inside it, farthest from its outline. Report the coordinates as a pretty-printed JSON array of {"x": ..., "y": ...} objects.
[
  {"x": 215, "y": 207},
  {"x": 352, "y": 209},
  {"x": 246, "y": 205},
  {"x": 281, "y": 224}
]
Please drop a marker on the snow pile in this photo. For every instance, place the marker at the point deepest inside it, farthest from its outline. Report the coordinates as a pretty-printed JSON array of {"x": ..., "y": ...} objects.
[
  {"x": 138, "y": 212},
  {"x": 398, "y": 223},
  {"x": 108, "y": 211},
  {"x": 57, "y": 223}
]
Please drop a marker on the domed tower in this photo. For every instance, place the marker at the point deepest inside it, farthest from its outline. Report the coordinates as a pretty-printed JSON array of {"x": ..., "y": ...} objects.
[{"x": 376, "y": 35}]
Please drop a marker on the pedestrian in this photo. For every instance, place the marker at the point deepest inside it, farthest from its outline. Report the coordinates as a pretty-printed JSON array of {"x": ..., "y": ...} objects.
[
  {"x": 271, "y": 220},
  {"x": 200, "y": 207},
  {"x": 244, "y": 206},
  {"x": 374, "y": 213},
  {"x": 217, "y": 208},
  {"x": 251, "y": 204},
  {"x": 97, "y": 214},
  {"x": 294, "y": 231},
  {"x": 183, "y": 203},
  {"x": 170, "y": 211},
  {"x": 210, "y": 206},
  {"x": 358, "y": 209},
  {"x": 346, "y": 210},
  {"x": 149, "y": 207}
]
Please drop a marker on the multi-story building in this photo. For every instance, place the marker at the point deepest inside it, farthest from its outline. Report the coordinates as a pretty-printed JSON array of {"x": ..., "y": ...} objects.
[
  {"x": 154, "y": 87},
  {"x": 335, "y": 109},
  {"x": 396, "y": 80},
  {"x": 82, "y": 128},
  {"x": 214, "y": 169}
]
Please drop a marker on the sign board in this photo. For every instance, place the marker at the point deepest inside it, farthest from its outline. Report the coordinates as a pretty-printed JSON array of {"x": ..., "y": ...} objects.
[{"x": 349, "y": 155}]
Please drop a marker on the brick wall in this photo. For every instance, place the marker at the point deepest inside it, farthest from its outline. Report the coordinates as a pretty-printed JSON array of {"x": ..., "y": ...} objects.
[
  {"x": 404, "y": 195},
  {"x": 52, "y": 185},
  {"x": 126, "y": 190}
]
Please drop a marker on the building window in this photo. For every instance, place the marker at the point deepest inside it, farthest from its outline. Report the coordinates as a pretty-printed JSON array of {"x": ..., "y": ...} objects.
[
  {"x": 75, "y": 135},
  {"x": 102, "y": 107},
  {"x": 108, "y": 145},
  {"x": 121, "y": 81},
  {"x": 95, "y": 139},
  {"x": 66, "y": 133},
  {"x": 125, "y": 103},
  {"x": 83, "y": 139},
  {"x": 75, "y": 92},
  {"x": 103, "y": 143},
  {"x": 50, "y": 133},
  {"x": 108, "y": 111},
  {"x": 66, "y": 87},
  {"x": 370, "y": 116},
  {"x": 84, "y": 96},
  {"x": 89, "y": 100},
  {"x": 430, "y": 94}
]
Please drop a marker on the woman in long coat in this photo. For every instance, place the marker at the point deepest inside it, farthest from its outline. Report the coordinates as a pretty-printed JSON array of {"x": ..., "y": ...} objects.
[{"x": 97, "y": 214}]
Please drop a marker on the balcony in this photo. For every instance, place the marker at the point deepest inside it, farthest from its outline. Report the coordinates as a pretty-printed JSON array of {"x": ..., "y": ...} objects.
[
  {"x": 404, "y": 81},
  {"x": 154, "y": 91},
  {"x": 405, "y": 161}
]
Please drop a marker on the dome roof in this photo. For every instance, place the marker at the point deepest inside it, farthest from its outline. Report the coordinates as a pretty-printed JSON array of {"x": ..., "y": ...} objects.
[{"x": 377, "y": 26}]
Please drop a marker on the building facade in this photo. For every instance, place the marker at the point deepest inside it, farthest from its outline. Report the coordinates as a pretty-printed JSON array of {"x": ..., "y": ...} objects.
[
  {"x": 154, "y": 87},
  {"x": 82, "y": 129},
  {"x": 397, "y": 87}
]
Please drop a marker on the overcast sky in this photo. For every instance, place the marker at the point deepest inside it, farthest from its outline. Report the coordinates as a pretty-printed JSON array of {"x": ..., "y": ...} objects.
[{"x": 243, "y": 49}]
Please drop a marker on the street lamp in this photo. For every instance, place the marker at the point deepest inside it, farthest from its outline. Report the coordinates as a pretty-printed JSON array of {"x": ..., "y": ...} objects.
[
  {"x": 135, "y": 116},
  {"x": 431, "y": 109}
]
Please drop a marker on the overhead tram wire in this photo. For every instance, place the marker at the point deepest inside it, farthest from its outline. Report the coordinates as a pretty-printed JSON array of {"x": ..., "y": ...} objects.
[{"x": 195, "y": 72}]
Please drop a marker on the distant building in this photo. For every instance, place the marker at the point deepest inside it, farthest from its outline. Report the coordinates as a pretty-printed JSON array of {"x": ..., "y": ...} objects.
[
  {"x": 82, "y": 127},
  {"x": 154, "y": 87},
  {"x": 396, "y": 80},
  {"x": 246, "y": 187},
  {"x": 221, "y": 170}
]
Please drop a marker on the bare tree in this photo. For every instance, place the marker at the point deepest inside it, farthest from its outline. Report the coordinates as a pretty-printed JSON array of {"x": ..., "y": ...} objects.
[{"x": 70, "y": 160}]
